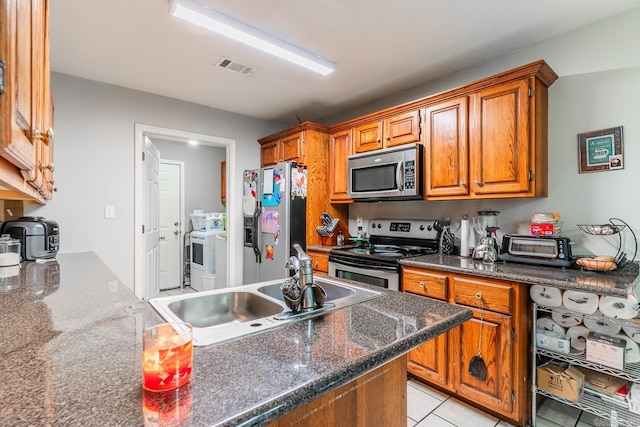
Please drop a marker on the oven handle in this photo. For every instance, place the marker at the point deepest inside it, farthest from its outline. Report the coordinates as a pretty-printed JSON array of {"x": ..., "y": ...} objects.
[
  {"x": 400, "y": 175},
  {"x": 359, "y": 265}
]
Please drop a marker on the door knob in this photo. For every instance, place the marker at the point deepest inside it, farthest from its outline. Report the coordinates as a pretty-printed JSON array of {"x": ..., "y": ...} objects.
[{"x": 176, "y": 232}]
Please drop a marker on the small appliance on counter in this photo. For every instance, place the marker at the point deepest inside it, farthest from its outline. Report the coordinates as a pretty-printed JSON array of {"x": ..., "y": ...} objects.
[
  {"x": 39, "y": 237},
  {"x": 538, "y": 250}
]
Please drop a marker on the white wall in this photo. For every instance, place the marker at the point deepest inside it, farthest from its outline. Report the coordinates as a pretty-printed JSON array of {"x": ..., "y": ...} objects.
[
  {"x": 201, "y": 173},
  {"x": 599, "y": 86},
  {"x": 94, "y": 159}
]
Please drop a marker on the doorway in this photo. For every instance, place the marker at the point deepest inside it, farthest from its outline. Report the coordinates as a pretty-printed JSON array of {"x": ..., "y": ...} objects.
[{"x": 142, "y": 262}]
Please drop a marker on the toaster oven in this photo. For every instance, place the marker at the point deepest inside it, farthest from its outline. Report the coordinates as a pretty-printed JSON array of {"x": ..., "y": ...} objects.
[{"x": 542, "y": 250}]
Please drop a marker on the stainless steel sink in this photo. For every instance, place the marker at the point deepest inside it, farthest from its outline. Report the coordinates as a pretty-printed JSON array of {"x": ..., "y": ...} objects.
[
  {"x": 224, "y": 308},
  {"x": 225, "y": 314}
]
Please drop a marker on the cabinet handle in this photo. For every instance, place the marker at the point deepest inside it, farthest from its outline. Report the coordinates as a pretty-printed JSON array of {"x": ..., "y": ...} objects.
[
  {"x": 462, "y": 184},
  {"x": 388, "y": 138},
  {"x": 479, "y": 295},
  {"x": 49, "y": 133},
  {"x": 478, "y": 183},
  {"x": 422, "y": 285},
  {"x": 49, "y": 166},
  {"x": 37, "y": 135}
]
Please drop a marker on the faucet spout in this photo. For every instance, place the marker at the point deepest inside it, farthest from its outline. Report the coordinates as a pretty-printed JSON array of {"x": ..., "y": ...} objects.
[{"x": 306, "y": 278}]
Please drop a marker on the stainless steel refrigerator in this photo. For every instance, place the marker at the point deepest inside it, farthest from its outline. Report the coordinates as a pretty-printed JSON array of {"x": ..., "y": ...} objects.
[{"x": 278, "y": 220}]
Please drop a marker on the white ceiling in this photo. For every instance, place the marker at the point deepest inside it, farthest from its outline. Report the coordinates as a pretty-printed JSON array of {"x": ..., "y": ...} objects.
[{"x": 380, "y": 47}]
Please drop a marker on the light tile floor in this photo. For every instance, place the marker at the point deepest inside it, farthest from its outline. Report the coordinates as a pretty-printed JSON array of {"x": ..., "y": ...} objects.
[{"x": 428, "y": 407}]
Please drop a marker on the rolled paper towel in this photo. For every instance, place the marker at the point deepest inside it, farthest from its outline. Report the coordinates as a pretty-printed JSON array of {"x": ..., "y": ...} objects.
[
  {"x": 602, "y": 326},
  {"x": 581, "y": 302},
  {"x": 631, "y": 350},
  {"x": 619, "y": 308},
  {"x": 547, "y": 324},
  {"x": 633, "y": 333},
  {"x": 578, "y": 337},
  {"x": 546, "y": 296},
  {"x": 565, "y": 320},
  {"x": 464, "y": 237}
]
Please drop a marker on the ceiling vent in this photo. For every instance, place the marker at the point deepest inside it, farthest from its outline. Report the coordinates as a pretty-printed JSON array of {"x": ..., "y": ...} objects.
[{"x": 236, "y": 67}]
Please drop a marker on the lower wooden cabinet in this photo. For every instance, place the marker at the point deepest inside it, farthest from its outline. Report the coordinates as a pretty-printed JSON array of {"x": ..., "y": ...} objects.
[
  {"x": 499, "y": 332},
  {"x": 319, "y": 260}
]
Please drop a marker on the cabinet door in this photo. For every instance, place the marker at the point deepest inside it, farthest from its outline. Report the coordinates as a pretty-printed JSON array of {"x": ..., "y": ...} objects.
[
  {"x": 446, "y": 149},
  {"x": 402, "y": 129},
  {"x": 430, "y": 360},
  {"x": 499, "y": 139},
  {"x": 339, "y": 151},
  {"x": 367, "y": 137},
  {"x": 22, "y": 51},
  {"x": 319, "y": 260},
  {"x": 493, "y": 331},
  {"x": 269, "y": 153},
  {"x": 223, "y": 182},
  {"x": 291, "y": 147}
]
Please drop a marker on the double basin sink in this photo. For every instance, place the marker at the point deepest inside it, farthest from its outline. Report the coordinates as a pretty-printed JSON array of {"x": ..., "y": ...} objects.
[{"x": 225, "y": 314}]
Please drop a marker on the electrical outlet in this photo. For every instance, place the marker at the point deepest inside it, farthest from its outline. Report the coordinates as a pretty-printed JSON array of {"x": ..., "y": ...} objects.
[
  {"x": 359, "y": 221},
  {"x": 109, "y": 212}
]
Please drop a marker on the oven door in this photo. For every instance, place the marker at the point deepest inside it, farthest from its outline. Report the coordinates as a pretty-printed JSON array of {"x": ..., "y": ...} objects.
[{"x": 384, "y": 277}]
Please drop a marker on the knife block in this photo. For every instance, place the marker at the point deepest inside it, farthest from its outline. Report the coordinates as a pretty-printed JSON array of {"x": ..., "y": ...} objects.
[{"x": 333, "y": 239}]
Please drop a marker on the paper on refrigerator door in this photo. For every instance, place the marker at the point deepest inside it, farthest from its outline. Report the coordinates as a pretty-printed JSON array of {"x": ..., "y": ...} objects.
[
  {"x": 248, "y": 205},
  {"x": 267, "y": 181}
]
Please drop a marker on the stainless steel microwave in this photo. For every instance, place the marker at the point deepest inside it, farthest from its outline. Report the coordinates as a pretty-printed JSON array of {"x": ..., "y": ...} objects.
[{"x": 391, "y": 174}]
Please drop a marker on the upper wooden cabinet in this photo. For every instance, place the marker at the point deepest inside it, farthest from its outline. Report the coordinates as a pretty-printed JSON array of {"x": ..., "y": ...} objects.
[
  {"x": 308, "y": 144},
  {"x": 503, "y": 152},
  {"x": 289, "y": 145},
  {"x": 223, "y": 182},
  {"x": 486, "y": 139},
  {"x": 446, "y": 153},
  {"x": 403, "y": 128},
  {"x": 26, "y": 131},
  {"x": 339, "y": 151}
]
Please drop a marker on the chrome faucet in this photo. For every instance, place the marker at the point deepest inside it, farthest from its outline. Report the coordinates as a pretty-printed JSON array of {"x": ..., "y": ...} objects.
[{"x": 305, "y": 271}]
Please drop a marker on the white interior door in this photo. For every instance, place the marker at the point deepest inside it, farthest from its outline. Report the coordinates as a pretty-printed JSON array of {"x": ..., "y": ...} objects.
[
  {"x": 152, "y": 215},
  {"x": 170, "y": 227}
]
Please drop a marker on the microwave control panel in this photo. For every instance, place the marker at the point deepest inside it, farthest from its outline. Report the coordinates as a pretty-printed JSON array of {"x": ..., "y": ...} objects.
[{"x": 410, "y": 174}]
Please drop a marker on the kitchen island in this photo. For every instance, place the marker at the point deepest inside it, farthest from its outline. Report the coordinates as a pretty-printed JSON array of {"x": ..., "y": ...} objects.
[{"x": 71, "y": 353}]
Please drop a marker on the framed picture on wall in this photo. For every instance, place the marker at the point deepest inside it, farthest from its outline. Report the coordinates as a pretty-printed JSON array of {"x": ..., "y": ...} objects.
[{"x": 600, "y": 150}]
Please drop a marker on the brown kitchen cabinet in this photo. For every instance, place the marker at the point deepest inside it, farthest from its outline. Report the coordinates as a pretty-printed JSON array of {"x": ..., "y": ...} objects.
[
  {"x": 492, "y": 142},
  {"x": 446, "y": 152},
  {"x": 290, "y": 145},
  {"x": 401, "y": 128},
  {"x": 223, "y": 182},
  {"x": 25, "y": 107},
  {"x": 339, "y": 151},
  {"x": 307, "y": 144},
  {"x": 319, "y": 260},
  {"x": 500, "y": 324}
]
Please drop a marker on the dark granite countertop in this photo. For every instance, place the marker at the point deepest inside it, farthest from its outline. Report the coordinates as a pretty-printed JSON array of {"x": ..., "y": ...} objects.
[
  {"x": 617, "y": 283},
  {"x": 328, "y": 248},
  {"x": 72, "y": 350}
]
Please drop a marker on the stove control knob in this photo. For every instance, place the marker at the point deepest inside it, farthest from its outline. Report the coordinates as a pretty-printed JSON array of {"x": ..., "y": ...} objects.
[
  {"x": 429, "y": 227},
  {"x": 422, "y": 228}
]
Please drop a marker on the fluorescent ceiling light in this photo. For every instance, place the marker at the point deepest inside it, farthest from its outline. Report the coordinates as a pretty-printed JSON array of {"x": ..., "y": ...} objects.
[
  {"x": 203, "y": 16},
  {"x": 193, "y": 142}
]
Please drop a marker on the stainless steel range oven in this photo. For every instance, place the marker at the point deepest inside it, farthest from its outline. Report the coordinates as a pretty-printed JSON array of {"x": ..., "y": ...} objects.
[{"x": 389, "y": 241}]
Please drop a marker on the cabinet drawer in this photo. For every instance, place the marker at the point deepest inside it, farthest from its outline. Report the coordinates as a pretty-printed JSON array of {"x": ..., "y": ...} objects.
[
  {"x": 426, "y": 284},
  {"x": 319, "y": 260},
  {"x": 494, "y": 296}
]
